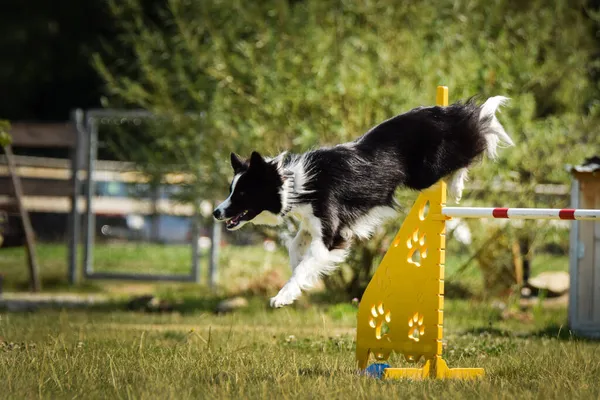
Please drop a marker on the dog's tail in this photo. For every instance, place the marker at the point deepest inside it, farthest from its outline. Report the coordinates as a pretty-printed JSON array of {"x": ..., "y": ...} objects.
[
  {"x": 492, "y": 129},
  {"x": 486, "y": 126}
]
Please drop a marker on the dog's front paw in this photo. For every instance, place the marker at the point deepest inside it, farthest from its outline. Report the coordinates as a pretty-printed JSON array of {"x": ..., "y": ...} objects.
[
  {"x": 277, "y": 302},
  {"x": 286, "y": 295}
]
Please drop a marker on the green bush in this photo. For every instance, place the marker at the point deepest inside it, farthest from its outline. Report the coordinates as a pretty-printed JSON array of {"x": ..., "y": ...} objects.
[{"x": 294, "y": 75}]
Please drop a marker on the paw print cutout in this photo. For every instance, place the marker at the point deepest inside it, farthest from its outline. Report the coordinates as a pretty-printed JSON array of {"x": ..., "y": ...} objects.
[
  {"x": 417, "y": 248},
  {"x": 380, "y": 318},
  {"x": 415, "y": 327}
]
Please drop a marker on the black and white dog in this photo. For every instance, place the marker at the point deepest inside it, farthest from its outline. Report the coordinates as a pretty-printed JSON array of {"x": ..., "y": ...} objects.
[{"x": 346, "y": 191}]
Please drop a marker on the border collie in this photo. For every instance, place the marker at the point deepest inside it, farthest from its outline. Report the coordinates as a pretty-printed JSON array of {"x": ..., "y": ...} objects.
[{"x": 344, "y": 192}]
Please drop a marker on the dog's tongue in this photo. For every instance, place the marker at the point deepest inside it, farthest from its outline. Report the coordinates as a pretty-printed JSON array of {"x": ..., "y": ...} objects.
[{"x": 233, "y": 222}]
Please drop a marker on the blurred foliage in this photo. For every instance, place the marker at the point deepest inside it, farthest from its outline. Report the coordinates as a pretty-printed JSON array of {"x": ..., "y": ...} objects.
[
  {"x": 5, "y": 138},
  {"x": 46, "y": 46},
  {"x": 225, "y": 76}
]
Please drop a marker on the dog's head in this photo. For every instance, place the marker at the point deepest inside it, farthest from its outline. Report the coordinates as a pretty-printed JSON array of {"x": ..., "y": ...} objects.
[{"x": 255, "y": 191}]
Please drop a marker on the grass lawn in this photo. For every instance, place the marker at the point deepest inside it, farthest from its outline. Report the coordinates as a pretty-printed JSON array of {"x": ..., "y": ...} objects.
[
  {"x": 238, "y": 264},
  {"x": 285, "y": 353},
  {"x": 304, "y": 351}
]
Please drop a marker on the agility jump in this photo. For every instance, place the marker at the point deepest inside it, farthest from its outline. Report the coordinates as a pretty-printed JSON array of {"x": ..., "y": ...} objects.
[{"x": 402, "y": 309}]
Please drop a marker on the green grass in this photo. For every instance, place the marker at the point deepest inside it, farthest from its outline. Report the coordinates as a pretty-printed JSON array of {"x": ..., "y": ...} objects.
[
  {"x": 286, "y": 353},
  {"x": 238, "y": 265},
  {"x": 305, "y": 351}
]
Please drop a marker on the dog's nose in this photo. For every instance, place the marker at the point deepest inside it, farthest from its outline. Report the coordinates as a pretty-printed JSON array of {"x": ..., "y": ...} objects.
[{"x": 217, "y": 213}]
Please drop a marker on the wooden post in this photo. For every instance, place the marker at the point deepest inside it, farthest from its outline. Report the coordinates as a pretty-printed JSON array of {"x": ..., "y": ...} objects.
[
  {"x": 155, "y": 217},
  {"x": 77, "y": 117},
  {"x": 213, "y": 262},
  {"x": 195, "y": 233},
  {"x": 29, "y": 236}
]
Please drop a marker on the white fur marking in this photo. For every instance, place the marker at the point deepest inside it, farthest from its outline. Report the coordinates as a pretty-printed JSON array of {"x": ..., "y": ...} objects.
[
  {"x": 301, "y": 175},
  {"x": 298, "y": 246},
  {"x": 284, "y": 193},
  {"x": 457, "y": 184},
  {"x": 224, "y": 205},
  {"x": 364, "y": 226},
  {"x": 304, "y": 212},
  {"x": 295, "y": 175},
  {"x": 277, "y": 160},
  {"x": 234, "y": 182},
  {"x": 316, "y": 261},
  {"x": 495, "y": 133}
]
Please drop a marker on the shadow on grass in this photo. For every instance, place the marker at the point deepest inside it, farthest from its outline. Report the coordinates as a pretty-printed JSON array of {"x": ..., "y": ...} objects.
[
  {"x": 554, "y": 331},
  {"x": 561, "y": 332},
  {"x": 490, "y": 331},
  {"x": 225, "y": 377},
  {"x": 58, "y": 284},
  {"x": 184, "y": 306},
  {"x": 316, "y": 372},
  {"x": 132, "y": 304}
]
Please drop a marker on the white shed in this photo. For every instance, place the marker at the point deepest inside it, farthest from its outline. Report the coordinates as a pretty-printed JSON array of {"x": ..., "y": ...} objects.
[{"x": 584, "y": 297}]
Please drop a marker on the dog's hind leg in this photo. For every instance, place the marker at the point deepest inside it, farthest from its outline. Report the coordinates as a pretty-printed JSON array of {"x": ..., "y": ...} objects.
[{"x": 317, "y": 262}]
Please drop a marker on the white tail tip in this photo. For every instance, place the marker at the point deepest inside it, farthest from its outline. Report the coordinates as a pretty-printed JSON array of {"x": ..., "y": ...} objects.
[{"x": 494, "y": 131}]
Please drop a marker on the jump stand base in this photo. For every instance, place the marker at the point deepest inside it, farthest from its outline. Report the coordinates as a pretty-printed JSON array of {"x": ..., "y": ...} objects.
[{"x": 435, "y": 369}]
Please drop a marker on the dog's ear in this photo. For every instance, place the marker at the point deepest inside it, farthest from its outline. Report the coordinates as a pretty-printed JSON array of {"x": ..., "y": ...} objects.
[
  {"x": 256, "y": 160},
  {"x": 237, "y": 163}
]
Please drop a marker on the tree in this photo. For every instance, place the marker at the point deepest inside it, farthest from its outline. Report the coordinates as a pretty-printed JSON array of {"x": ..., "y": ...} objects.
[
  {"x": 5, "y": 140},
  {"x": 297, "y": 74},
  {"x": 46, "y": 47}
]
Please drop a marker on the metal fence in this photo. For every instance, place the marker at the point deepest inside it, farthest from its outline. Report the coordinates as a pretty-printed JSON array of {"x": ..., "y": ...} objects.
[{"x": 87, "y": 202}]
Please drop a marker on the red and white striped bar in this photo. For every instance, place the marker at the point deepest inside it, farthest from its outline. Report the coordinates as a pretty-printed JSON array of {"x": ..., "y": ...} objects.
[{"x": 522, "y": 213}]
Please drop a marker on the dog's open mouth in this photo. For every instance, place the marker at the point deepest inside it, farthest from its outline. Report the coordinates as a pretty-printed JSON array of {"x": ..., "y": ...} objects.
[{"x": 235, "y": 221}]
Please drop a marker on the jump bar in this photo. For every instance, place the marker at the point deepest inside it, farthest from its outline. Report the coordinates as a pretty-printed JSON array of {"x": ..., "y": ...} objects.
[{"x": 522, "y": 213}]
